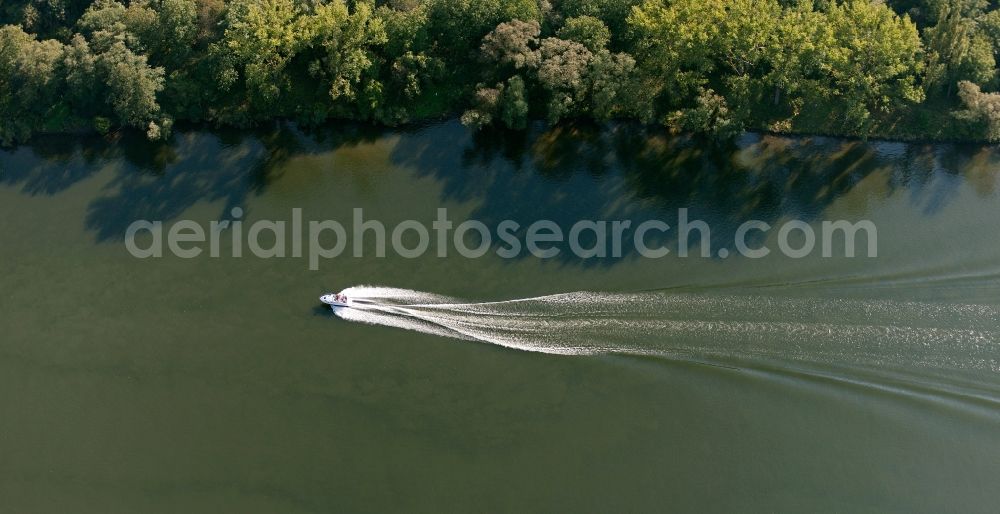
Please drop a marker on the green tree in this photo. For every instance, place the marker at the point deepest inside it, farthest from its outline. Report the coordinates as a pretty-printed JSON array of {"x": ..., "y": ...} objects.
[
  {"x": 175, "y": 31},
  {"x": 209, "y": 15},
  {"x": 348, "y": 58},
  {"x": 513, "y": 44},
  {"x": 413, "y": 81},
  {"x": 927, "y": 13},
  {"x": 687, "y": 46},
  {"x": 613, "y": 13},
  {"x": 982, "y": 110},
  {"x": 715, "y": 66},
  {"x": 957, "y": 50},
  {"x": 458, "y": 26},
  {"x": 875, "y": 62},
  {"x": 119, "y": 69},
  {"x": 49, "y": 19},
  {"x": 514, "y": 104},
  {"x": 105, "y": 22},
  {"x": 989, "y": 24},
  {"x": 573, "y": 80},
  {"x": 484, "y": 108},
  {"x": 163, "y": 30},
  {"x": 746, "y": 46},
  {"x": 674, "y": 45},
  {"x": 506, "y": 103},
  {"x": 563, "y": 73},
  {"x": 613, "y": 90},
  {"x": 260, "y": 38},
  {"x": 82, "y": 82},
  {"x": 710, "y": 115},
  {"x": 132, "y": 88},
  {"x": 586, "y": 30},
  {"x": 30, "y": 83},
  {"x": 800, "y": 63},
  {"x": 510, "y": 50}
]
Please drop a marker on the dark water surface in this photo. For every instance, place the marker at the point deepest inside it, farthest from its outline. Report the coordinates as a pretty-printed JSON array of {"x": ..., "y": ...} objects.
[{"x": 674, "y": 384}]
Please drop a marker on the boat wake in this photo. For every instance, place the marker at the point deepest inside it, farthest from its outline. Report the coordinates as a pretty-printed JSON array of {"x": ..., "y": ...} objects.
[{"x": 840, "y": 332}]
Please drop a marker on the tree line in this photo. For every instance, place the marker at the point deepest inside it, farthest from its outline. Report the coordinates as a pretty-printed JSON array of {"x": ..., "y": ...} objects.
[{"x": 901, "y": 68}]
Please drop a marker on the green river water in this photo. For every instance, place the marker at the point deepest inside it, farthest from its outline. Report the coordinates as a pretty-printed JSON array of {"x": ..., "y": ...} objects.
[{"x": 617, "y": 384}]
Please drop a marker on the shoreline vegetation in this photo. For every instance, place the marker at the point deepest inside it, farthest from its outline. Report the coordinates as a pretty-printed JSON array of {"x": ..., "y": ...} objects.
[{"x": 916, "y": 70}]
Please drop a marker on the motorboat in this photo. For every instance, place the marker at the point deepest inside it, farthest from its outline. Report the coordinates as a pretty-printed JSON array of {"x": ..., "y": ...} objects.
[{"x": 336, "y": 300}]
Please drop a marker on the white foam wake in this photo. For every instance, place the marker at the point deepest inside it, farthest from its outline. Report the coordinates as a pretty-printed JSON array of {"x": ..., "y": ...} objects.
[{"x": 702, "y": 326}]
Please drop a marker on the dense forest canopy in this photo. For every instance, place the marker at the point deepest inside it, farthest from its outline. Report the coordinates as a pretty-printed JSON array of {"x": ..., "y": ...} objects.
[{"x": 906, "y": 68}]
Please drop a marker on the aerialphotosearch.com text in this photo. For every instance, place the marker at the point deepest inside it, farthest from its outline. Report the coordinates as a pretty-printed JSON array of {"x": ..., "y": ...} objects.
[{"x": 319, "y": 240}]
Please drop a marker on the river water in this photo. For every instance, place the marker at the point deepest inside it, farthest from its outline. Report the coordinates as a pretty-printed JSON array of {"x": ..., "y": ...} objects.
[{"x": 617, "y": 383}]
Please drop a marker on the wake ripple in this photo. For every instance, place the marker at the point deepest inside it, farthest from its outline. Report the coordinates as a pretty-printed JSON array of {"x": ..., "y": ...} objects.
[{"x": 703, "y": 326}]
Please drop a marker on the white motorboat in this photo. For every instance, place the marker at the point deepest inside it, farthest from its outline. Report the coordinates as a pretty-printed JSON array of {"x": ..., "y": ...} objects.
[{"x": 336, "y": 300}]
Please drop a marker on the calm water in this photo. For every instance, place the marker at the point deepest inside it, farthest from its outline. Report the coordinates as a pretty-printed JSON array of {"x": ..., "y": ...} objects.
[{"x": 684, "y": 384}]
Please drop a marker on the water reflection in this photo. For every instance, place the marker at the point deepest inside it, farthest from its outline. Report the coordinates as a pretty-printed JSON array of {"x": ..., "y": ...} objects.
[
  {"x": 625, "y": 171},
  {"x": 564, "y": 173},
  {"x": 52, "y": 164}
]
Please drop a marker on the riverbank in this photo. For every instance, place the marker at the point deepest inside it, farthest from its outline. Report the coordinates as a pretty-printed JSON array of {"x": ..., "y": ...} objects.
[
  {"x": 937, "y": 126},
  {"x": 801, "y": 69}
]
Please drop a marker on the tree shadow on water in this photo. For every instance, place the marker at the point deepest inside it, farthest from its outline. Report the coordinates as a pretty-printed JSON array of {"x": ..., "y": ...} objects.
[
  {"x": 586, "y": 171},
  {"x": 53, "y": 164},
  {"x": 566, "y": 173},
  {"x": 201, "y": 169},
  {"x": 158, "y": 181},
  {"x": 230, "y": 166}
]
